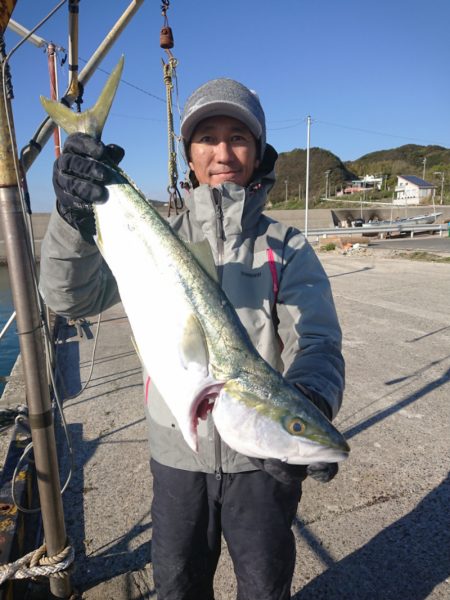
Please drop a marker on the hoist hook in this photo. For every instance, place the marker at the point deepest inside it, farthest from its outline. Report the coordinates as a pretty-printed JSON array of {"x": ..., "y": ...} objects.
[{"x": 166, "y": 40}]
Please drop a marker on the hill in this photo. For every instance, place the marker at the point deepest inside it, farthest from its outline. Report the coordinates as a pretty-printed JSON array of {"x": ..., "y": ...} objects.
[
  {"x": 404, "y": 160},
  {"x": 291, "y": 168}
]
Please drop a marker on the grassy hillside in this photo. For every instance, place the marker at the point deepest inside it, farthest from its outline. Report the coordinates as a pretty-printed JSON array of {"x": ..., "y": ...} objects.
[
  {"x": 291, "y": 167},
  {"x": 404, "y": 160}
]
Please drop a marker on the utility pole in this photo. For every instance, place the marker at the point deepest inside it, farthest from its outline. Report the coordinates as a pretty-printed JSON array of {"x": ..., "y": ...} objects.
[
  {"x": 299, "y": 192},
  {"x": 308, "y": 137},
  {"x": 19, "y": 255},
  {"x": 424, "y": 167},
  {"x": 286, "y": 181},
  {"x": 327, "y": 183},
  {"x": 442, "y": 184}
]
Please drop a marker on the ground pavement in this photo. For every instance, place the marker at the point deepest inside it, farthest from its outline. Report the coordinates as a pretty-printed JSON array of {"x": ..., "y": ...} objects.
[{"x": 379, "y": 530}]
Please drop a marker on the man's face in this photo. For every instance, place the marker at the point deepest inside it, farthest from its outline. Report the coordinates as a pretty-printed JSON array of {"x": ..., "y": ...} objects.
[{"x": 222, "y": 149}]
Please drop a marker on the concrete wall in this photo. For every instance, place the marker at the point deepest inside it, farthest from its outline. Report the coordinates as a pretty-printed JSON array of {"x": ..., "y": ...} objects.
[
  {"x": 387, "y": 213},
  {"x": 319, "y": 218}
]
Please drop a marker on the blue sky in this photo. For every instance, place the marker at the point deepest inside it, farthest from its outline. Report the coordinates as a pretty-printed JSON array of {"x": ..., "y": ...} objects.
[{"x": 373, "y": 74}]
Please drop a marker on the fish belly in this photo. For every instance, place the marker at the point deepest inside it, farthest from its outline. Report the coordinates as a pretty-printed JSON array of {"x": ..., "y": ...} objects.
[{"x": 154, "y": 298}]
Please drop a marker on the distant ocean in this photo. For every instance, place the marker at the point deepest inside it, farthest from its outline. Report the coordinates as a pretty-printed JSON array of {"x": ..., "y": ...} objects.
[{"x": 9, "y": 344}]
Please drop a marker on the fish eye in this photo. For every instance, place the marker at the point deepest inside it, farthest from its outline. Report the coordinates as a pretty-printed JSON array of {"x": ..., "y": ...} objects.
[{"x": 295, "y": 426}]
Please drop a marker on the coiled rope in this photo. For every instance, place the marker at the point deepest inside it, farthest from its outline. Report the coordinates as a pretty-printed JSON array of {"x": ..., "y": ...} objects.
[{"x": 37, "y": 564}]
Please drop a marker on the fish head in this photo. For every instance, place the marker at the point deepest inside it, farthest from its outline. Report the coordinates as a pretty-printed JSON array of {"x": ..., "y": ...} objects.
[{"x": 269, "y": 418}]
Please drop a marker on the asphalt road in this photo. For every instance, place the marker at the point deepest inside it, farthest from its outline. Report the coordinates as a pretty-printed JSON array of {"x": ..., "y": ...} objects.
[{"x": 428, "y": 243}]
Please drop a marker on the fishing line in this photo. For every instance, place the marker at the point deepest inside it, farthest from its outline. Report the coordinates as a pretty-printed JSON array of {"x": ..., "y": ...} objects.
[{"x": 89, "y": 377}]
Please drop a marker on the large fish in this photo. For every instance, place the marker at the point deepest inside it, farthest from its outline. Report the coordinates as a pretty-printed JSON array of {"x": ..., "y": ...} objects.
[{"x": 188, "y": 334}]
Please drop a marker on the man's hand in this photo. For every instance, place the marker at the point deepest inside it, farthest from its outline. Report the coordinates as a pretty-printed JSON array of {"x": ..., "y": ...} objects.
[
  {"x": 80, "y": 179},
  {"x": 281, "y": 471},
  {"x": 288, "y": 474},
  {"x": 323, "y": 472}
]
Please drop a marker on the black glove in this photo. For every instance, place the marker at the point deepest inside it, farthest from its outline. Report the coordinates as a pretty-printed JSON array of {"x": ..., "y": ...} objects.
[
  {"x": 281, "y": 471},
  {"x": 322, "y": 472},
  {"x": 79, "y": 180}
]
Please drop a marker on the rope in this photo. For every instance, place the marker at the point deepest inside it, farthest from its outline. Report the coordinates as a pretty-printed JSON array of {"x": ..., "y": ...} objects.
[
  {"x": 169, "y": 72},
  {"x": 7, "y": 79},
  {"x": 175, "y": 199},
  {"x": 8, "y": 416},
  {"x": 36, "y": 563}
]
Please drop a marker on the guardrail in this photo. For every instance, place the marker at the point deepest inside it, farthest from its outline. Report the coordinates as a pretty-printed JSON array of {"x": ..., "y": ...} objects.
[{"x": 380, "y": 229}]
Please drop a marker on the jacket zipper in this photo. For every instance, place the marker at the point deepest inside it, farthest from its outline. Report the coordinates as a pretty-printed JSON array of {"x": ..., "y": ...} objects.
[
  {"x": 220, "y": 237},
  {"x": 220, "y": 231}
]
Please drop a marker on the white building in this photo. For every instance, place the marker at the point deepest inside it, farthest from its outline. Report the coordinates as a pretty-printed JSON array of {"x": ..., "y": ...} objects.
[
  {"x": 413, "y": 190},
  {"x": 369, "y": 182}
]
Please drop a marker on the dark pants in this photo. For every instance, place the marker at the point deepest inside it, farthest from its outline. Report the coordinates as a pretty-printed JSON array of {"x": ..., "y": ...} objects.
[{"x": 190, "y": 510}]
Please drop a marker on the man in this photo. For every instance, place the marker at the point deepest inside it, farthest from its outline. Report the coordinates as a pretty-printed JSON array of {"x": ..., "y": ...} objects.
[{"x": 283, "y": 298}]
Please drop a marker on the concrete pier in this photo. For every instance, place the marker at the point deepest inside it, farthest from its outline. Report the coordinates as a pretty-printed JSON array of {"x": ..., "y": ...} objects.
[{"x": 378, "y": 531}]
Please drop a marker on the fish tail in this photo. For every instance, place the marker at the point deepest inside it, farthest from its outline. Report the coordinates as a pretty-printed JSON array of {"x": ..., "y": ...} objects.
[{"x": 92, "y": 120}]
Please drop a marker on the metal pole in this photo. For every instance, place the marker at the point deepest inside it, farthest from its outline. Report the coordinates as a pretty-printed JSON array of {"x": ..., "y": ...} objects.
[
  {"x": 327, "y": 183},
  {"x": 44, "y": 131},
  {"x": 307, "y": 175},
  {"x": 441, "y": 174},
  {"x": 73, "y": 49},
  {"x": 20, "y": 266},
  {"x": 51, "y": 54}
]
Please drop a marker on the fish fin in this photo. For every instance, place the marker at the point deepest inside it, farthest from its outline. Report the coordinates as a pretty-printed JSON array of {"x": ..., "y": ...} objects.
[
  {"x": 203, "y": 253},
  {"x": 92, "y": 120},
  {"x": 193, "y": 346},
  {"x": 136, "y": 349}
]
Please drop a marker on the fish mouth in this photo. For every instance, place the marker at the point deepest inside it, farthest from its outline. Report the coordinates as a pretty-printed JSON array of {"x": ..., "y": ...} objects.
[{"x": 201, "y": 406}]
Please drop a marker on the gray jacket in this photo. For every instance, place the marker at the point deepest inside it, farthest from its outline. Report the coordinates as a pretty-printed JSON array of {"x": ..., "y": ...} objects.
[{"x": 295, "y": 327}]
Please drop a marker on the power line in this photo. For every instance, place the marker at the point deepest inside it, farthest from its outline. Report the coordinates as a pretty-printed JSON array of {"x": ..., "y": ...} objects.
[
  {"x": 131, "y": 84},
  {"x": 137, "y": 117},
  {"x": 298, "y": 121},
  {"x": 383, "y": 133}
]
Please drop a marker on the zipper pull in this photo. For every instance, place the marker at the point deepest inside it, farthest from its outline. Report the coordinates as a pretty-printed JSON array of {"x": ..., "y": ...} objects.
[
  {"x": 217, "y": 197},
  {"x": 218, "y": 474}
]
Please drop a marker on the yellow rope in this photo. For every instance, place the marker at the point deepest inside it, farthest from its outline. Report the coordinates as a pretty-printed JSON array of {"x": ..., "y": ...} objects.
[
  {"x": 175, "y": 199},
  {"x": 169, "y": 69}
]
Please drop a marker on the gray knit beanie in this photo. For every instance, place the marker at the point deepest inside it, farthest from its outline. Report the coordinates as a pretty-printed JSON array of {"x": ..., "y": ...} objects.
[{"x": 224, "y": 97}]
